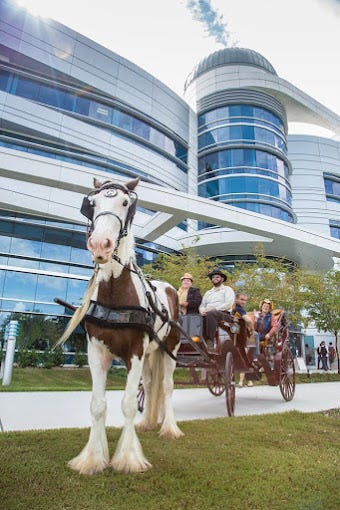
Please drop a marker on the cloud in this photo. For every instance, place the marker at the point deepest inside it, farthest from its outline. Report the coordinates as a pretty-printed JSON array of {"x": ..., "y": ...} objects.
[
  {"x": 212, "y": 21},
  {"x": 20, "y": 307},
  {"x": 333, "y": 4}
]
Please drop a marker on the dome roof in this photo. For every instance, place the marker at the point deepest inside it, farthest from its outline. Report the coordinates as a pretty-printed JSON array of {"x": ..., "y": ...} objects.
[{"x": 230, "y": 56}]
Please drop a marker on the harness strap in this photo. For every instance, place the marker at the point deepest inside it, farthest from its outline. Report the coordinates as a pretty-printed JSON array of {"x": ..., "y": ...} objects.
[
  {"x": 122, "y": 317},
  {"x": 163, "y": 314}
]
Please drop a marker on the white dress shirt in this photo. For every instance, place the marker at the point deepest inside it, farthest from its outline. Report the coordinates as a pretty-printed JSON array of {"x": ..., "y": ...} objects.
[{"x": 221, "y": 298}]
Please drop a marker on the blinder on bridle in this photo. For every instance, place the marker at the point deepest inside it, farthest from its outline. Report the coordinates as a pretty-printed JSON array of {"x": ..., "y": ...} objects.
[{"x": 87, "y": 207}]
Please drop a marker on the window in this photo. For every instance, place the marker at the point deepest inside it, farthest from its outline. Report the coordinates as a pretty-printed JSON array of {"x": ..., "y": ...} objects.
[
  {"x": 332, "y": 187},
  {"x": 20, "y": 285},
  {"x": 334, "y": 227},
  {"x": 25, "y": 88},
  {"x": 100, "y": 111},
  {"x": 49, "y": 287},
  {"x": 4, "y": 80}
]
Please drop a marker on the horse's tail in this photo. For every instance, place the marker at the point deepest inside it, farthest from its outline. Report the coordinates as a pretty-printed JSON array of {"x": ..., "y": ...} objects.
[
  {"x": 156, "y": 402},
  {"x": 80, "y": 312}
]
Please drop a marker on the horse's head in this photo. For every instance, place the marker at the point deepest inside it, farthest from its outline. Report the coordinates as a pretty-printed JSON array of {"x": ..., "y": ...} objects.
[{"x": 110, "y": 209}]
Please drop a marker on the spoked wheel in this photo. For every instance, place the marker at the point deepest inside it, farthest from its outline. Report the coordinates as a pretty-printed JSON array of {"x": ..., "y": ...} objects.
[
  {"x": 215, "y": 382},
  {"x": 287, "y": 374},
  {"x": 140, "y": 398},
  {"x": 230, "y": 384}
]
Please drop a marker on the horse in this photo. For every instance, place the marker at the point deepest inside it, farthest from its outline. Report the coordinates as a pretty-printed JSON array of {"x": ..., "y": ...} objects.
[{"x": 130, "y": 318}]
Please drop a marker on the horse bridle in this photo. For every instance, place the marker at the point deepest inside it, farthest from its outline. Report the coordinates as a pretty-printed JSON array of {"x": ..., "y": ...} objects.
[{"x": 87, "y": 208}]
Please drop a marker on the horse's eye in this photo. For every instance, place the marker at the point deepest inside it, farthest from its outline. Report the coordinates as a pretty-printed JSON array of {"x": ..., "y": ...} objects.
[{"x": 125, "y": 203}]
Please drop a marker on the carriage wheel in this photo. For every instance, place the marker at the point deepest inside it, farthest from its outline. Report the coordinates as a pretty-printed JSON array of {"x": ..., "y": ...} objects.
[
  {"x": 287, "y": 375},
  {"x": 140, "y": 398},
  {"x": 230, "y": 384},
  {"x": 215, "y": 382}
]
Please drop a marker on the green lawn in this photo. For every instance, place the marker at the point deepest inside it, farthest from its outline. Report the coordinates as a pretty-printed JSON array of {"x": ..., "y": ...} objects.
[
  {"x": 284, "y": 461},
  {"x": 78, "y": 379}
]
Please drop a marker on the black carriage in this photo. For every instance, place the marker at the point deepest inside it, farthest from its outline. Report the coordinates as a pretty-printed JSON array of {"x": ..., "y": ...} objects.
[{"x": 216, "y": 366}]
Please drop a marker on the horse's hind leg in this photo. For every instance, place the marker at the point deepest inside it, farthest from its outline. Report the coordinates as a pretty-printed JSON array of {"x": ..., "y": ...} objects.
[
  {"x": 95, "y": 456},
  {"x": 169, "y": 426},
  {"x": 129, "y": 457},
  {"x": 152, "y": 384}
]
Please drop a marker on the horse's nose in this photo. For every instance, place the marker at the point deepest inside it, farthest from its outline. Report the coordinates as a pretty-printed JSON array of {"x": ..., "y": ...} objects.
[{"x": 101, "y": 248}]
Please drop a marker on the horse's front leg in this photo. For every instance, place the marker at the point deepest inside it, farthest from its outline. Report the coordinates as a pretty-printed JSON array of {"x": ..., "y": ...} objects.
[
  {"x": 95, "y": 456},
  {"x": 129, "y": 457}
]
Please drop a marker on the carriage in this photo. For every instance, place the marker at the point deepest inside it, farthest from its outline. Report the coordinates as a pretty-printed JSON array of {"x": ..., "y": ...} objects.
[{"x": 216, "y": 366}]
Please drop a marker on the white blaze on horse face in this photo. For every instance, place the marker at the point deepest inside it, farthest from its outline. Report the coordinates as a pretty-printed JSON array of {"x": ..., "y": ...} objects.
[{"x": 111, "y": 208}]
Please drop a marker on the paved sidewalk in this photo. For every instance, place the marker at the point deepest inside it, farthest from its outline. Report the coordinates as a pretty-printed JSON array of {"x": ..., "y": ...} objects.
[{"x": 53, "y": 410}]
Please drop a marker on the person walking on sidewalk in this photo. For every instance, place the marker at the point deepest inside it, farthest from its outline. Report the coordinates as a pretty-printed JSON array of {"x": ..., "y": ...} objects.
[
  {"x": 331, "y": 355},
  {"x": 322, "y": 354}
]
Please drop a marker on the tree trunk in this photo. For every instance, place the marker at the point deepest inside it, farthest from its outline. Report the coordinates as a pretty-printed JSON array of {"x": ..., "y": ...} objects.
[{"x": 336, "y": 334}]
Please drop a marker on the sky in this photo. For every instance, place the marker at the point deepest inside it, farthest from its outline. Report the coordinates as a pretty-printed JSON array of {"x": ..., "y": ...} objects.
[{"x": 300, "y": 38}]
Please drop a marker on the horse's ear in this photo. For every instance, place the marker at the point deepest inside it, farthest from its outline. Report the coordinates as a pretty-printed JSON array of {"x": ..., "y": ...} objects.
[
  {"x": 132, "y": 184},
  {"x": 97, "y": 184}
]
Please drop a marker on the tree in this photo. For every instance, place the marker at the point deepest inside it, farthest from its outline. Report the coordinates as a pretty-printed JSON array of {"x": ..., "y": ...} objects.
[
  {"x": 171, "y": 267},
  {"x": 276, "y": 279},
  {"x": 323, "y": 304}
]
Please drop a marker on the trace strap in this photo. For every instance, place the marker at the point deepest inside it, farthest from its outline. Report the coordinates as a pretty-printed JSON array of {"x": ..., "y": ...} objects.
[{"x": 125, "y": 317}]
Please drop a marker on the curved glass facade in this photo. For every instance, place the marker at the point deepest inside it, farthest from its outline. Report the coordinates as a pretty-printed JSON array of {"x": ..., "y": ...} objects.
[
  {"x": 81, "y": 103},
  {"x": 41, "y": 259},
  {"x": 242, "y": 160}
]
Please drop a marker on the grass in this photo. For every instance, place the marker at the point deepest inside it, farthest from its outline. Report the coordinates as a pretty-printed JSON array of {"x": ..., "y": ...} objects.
[
  {"x": 284, "y": 461},
  {"x": 79, "y": 379}
]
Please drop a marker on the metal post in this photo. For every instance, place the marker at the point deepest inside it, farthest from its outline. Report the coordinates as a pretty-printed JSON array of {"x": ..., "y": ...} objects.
[{"x": 8, "y": 368}]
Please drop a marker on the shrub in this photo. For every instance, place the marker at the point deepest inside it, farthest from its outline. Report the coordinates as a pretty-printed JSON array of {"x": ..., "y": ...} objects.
[
  {"x": 57, "y": 357},
  {"x": 48, "y": 359},
  {"x": 80, "y": 359},
  {"x": 27, "y": 358}
]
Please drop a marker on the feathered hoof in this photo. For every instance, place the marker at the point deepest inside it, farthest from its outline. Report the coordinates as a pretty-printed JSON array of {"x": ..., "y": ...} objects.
[
  {"x": 144, "y": 426},
  {"x": 88, "y": 466},
  {"x": 124, "y": 465},
  {"x": 173, "y": 432}
]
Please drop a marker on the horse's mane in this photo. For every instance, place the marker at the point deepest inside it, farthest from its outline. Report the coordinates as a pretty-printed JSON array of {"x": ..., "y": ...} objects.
[{"x": 79, "y": 313}]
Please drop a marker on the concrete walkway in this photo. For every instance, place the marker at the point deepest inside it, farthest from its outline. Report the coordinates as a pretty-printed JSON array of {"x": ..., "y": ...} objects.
[{"x": 53, "y": 410}]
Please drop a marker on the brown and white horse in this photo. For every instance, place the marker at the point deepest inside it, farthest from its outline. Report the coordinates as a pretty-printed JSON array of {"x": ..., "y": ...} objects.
[{"x": 116, "y": 295}]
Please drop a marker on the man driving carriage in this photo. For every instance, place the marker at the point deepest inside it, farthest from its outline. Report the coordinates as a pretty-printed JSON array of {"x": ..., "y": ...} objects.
[{"x": 216, "y": 303}]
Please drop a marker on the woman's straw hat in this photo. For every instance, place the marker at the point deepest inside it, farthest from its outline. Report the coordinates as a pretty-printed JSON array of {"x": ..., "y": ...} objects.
[
  {"x": 268, "y": 301},
  {"x": 187, "y": 276}
]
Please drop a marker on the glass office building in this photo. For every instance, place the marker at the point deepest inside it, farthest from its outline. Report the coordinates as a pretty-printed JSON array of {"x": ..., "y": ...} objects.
[{"x": 71, "y": 110}]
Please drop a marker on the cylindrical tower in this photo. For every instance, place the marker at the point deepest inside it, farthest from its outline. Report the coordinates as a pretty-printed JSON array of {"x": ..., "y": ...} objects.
[{"x": 241, "y": 135}]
